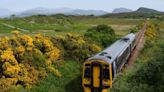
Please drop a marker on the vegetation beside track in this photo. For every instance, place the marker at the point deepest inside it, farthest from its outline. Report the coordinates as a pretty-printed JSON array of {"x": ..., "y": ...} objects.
[{"x": 148, "y": 73}]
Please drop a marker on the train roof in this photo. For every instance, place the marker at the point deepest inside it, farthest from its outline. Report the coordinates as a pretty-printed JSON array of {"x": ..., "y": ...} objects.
[{"x": 112, "y": 52}]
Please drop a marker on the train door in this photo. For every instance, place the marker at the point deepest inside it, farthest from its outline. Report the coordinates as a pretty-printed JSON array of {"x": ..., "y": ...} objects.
[{"x": 96, "y": 76}]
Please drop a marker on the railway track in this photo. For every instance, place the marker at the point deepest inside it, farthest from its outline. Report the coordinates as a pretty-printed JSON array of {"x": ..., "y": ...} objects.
[{"x": 139, "y": 46}]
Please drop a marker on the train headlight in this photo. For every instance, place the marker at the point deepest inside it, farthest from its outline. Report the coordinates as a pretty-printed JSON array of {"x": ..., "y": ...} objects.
[
  {"x": 88, "y": 79},
  {"x": 106, "y": 80}
]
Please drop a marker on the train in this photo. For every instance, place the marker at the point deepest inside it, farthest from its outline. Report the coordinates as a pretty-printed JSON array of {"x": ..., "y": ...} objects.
[{"x": 100, "y": 70}]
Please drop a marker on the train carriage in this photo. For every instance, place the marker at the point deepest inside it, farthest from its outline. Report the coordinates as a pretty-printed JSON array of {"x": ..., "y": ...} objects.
[{"x": 100, "y": 70}]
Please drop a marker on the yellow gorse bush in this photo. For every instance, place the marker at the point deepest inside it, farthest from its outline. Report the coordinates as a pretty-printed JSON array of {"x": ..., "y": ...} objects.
[
  {"x": 47, "y": 44},
  {"x": 10, "y": 70},
  {"x": 18, "y": 56},
  {"x": 151, "y": 31},
  {"x": 4, "y": 42},
  {"x": 7, "y": 82},
  {"x": 20, "y": 50},
  {"x": 47, "y": 47},
  {"x": 27, "y": 40},
  {"x": 54, "y": 54}
]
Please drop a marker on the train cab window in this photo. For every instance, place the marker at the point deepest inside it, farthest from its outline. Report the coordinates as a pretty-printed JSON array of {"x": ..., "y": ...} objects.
[
  {"x": 106, "y": 73},
  {"x": 125, "y": 39},
  {"x": 103, "y": 53},
  {"x": 87, "y": 73},
  {"x": 109, "y": 57}
]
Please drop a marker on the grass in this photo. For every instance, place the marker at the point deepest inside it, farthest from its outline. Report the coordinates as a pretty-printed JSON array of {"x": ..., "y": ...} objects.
[
  {"x": 115, "y": 21},
  {"x": 4, "y": 29},
  {"x": 122, "y": 29},
  {"x": 78, "y": 25}
]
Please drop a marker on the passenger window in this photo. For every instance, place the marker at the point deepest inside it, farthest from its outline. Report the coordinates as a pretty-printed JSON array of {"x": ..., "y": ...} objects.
[
  {"x": 106, "y": 74},
  {"x": 87, "y": 73}
]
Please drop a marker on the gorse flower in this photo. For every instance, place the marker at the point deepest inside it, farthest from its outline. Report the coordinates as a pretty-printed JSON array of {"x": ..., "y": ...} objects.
[
  {"x": 54, "y": 54},
  {"x": 4, "y": 43},
  {"x": 20, "y": 50},
  {"x": 27, "y": 40},
  {"x": 10, "y": 70},
  {"x": 7, "y": 56}
]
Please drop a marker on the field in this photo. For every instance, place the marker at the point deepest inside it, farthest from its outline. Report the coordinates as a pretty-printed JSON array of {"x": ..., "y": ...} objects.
[
  {"x": 71, "y": 68},
  {"x": 76, "y": 25}
]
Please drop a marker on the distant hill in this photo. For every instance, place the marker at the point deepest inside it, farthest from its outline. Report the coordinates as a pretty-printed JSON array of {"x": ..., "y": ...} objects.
[
  {"x": 117, "y": 13},
  {"x": 121, "y": 10},
  {"x": 88, "y": 12},
  {"x": 44, "y": 11},
  {"x": 139, "y": 13},
  {"x": 146, "y": 10},
  {"x": 66, "y": 11}
]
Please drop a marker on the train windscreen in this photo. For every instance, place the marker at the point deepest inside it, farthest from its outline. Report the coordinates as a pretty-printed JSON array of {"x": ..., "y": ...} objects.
[
  {"x": 87, "y": 73},
  {"x": 106, "y": 74}
]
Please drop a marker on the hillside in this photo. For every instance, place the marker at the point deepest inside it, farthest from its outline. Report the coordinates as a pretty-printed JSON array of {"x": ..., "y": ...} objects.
[
  {"x": 139, "y": 13},
  {"x": 146, "y": 10},
  {"x": 49, "y": 11},
  {"x": 121, "y": 10}
]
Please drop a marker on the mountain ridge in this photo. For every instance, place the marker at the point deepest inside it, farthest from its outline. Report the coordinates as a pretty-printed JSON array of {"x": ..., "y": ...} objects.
[
  {"x": 69, "y": 11},
  {"x": 146, "y": 10},
  {"x": 141, "y": 12},
  {"x": 121, "y": 10},
  {"x": 66, "y": 11}
]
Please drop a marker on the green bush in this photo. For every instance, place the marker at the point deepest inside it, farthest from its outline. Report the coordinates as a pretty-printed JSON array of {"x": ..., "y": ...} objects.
[{"x": 101, "y": 34}]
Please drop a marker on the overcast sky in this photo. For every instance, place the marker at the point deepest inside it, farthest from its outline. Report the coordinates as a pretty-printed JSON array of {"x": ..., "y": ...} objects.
[{"x": 107, "y": 5}]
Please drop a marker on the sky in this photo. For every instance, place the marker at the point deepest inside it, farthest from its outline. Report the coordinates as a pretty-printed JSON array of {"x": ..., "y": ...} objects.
[{"x": 106, "y": 5}]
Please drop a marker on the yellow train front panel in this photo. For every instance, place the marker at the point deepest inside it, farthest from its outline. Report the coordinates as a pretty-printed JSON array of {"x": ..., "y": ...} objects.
[{"x": 97, "y": 76}]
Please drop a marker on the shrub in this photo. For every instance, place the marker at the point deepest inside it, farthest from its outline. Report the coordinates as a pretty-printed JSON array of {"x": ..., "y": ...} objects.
[
  {"x": 101, "y": 34},
  {"x": 23, "y": 59}
]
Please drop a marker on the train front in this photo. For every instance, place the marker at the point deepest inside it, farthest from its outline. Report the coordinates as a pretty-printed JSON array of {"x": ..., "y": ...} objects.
[{"x": 97, "y": 76}]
